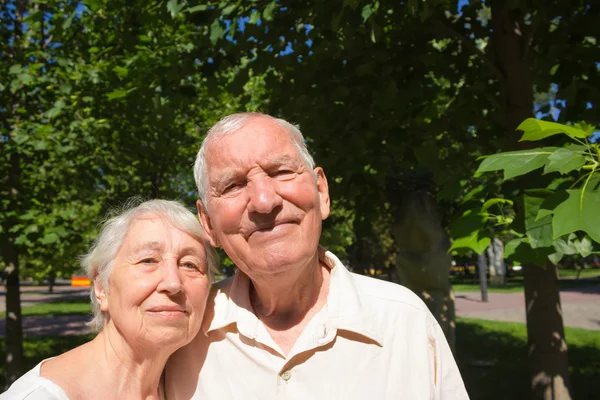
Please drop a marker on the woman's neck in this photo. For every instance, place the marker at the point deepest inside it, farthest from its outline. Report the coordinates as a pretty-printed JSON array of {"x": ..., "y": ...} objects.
[{"x": 134, "y": 373}]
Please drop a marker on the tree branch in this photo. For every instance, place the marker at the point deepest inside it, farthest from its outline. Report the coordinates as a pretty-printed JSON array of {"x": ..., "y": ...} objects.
[{"x": 471, "y": 46}]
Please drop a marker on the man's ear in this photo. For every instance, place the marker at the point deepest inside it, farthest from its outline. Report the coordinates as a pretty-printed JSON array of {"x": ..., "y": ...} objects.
[
  {"x": 100, "y": 294},
  {"x": 206, "y": 224},
  {"x": 323, "y": 188}
]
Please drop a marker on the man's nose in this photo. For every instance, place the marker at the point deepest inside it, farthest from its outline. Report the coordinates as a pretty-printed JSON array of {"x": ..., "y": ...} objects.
[
  {"x": 170, "y": 282},
  {"x": 263, "y": 196}
]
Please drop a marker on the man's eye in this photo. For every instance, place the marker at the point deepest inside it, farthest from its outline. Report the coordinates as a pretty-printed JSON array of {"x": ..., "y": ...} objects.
[
  {"x": 149, "y": 260},
  {"x": 232, "y": 187},
  {"x": 283, "y": 173}
]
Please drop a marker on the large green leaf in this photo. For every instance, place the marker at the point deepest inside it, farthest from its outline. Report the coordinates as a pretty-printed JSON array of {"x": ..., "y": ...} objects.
[
  {"x": 580, "y": 212},
  {"x": 539, "y": 231},
  {"x": 535, "y": 129},
  {"x": 467, "y": 233},
  {"x": 515, "y": 163},
  {"x": 564, "y": 161},
  {"x": 471, "y": 242},
  {"x": 519, "y": 251}
]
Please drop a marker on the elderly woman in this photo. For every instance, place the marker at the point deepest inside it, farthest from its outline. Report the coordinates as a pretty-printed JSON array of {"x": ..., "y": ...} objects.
[{"x": 151, "y": 269}]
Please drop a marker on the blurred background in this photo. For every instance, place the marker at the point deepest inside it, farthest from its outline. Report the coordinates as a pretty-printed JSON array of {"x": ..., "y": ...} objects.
[{"x": 101, "y": 100}]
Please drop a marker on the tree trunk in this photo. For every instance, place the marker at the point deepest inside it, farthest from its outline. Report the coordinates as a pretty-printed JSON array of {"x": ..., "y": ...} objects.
[
  {"x": 422, "y": 261},
  {"x": 14, "y": 330},
  {"x": 548, "y": 359},
  {"x": 497, "y": 268},
  {"x": 548, "y": 364}
]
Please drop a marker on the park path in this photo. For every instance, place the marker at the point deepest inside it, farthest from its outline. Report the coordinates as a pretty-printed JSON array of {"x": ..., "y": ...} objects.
[
  {"x": 581, "y": 309},
  {"x": 581, "y": 306},
  {"x": 49, "y": 326}
]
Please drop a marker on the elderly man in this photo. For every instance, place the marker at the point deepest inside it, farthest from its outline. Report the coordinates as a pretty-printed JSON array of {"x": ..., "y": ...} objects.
[{"x": 294, "y": 323}]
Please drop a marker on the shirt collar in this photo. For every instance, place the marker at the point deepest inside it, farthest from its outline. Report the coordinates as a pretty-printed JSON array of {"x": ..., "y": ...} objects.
[{"x": 344, "y": 309}]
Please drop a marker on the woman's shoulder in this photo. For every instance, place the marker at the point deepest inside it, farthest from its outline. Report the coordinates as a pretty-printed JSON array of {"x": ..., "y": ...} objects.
[{"x": 32, "y": 386}]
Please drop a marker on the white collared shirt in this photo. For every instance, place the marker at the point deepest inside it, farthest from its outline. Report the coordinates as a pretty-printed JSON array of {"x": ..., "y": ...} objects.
[{"x": 372, "y": 340}]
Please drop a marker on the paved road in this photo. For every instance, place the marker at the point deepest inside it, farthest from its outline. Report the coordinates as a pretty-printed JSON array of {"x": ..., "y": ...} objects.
[{"x": 581, "y": 309}]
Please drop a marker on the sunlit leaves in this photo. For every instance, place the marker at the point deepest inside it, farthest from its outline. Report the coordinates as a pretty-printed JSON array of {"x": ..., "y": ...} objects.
[
  {"x": 580, "y": 212},
  {"x": 515, "y": 163},
  {"x": 535, "y": 129},
  {"x": 564, "y": 161}
]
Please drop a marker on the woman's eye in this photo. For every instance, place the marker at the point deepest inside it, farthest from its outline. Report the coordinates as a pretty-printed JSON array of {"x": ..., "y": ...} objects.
[
  {"x": 189, "y": 265},
  {"x": 149, "y": 260}
]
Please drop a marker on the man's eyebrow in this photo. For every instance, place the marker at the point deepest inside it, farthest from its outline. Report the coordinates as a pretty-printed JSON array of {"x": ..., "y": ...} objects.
[
  {"x": 284, "y": 159},
  {"x": 225, "y": 176}
]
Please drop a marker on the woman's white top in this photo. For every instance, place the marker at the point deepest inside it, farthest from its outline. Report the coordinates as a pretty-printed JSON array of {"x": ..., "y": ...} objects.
[{"x": 32, "y": 386}]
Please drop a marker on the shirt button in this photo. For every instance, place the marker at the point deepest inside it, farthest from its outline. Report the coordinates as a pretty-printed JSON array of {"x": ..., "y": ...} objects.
[{"x": 286, "y": 375}]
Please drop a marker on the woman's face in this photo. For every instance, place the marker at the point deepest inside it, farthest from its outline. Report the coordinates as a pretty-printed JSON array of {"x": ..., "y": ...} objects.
[{"x": 158, "y": 287}]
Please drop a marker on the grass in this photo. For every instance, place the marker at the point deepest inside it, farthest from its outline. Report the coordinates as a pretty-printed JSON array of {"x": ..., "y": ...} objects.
[
  {"x": 585, "y": 273},
  {"x": 515, "y": 285},
  {"x": 492, "y": 357},
  {"x": 57, "y": 308}
]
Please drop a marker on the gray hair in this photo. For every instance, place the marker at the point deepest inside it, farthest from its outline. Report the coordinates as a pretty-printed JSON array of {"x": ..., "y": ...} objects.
[
  {"x": 233, "y": 123},
  {"x": 99, "y": 261}
]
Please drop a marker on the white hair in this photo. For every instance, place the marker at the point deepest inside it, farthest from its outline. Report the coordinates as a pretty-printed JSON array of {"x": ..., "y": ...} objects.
[
  {"x": 99, "y": 261},
  {"x": 232, "y": 123}
]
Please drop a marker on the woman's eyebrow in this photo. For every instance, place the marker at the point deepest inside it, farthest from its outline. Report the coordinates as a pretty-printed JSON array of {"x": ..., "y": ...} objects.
[{"x": 152, "y": 245}]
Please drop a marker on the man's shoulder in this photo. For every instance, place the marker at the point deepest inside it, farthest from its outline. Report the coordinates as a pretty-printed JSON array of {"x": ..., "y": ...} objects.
[{"x": 387, "y": 292}]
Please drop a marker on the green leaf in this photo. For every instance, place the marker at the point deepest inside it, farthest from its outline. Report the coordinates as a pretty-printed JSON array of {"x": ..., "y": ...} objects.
[
  {"x": 539, "y": 231},
  {"x": 534, "y": 129},
  {"x": 583, "y": 246},
  {"x": 216, "y": 31},
  {"x": 194, "y": 9},
  {"x": 495, "y": 201},
  {"x": 120, "y": 71},
  {"x": 549, "y": 204},
  {"x": 116, "y": 94},
  {"x": 175, "y": 7},
  {"x": 229, "y": 9},
  {"x": 516, "y": 163},
  {"x": 254, "y": 17},
  {"x": 367, "y": 11},
  {"x": 56, "y": 110},
  {"x": 15, "y": 69},
  {"x": 268, "y": 11},
  {"x": 519, "y": 251},
  {"x": 565, "y": 247},
  {"x": 467, "y": 232},
  {"x": 564, "y": 161},
  {"x": 49, "y": 238},
  {"x": 67, "y": 23},
  {"x": 580, "y": 212},
  {"x": 471, "y": 242}
]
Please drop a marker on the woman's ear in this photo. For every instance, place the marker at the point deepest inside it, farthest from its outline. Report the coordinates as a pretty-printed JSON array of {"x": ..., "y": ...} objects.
[{"x": 100, "y": 293}]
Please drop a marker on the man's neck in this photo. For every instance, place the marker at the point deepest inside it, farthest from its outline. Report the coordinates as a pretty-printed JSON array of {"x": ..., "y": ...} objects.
[{"x": 286, "y": 304}]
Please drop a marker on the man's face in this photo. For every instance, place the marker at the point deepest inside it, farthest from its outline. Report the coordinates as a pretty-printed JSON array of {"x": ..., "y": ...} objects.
[{"x": 264, "y": 206}]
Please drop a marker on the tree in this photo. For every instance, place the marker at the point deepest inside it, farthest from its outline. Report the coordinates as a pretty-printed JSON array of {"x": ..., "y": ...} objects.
[
  {"x": 101, "y": 100},
  {"x": 392, "y": 84}
]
